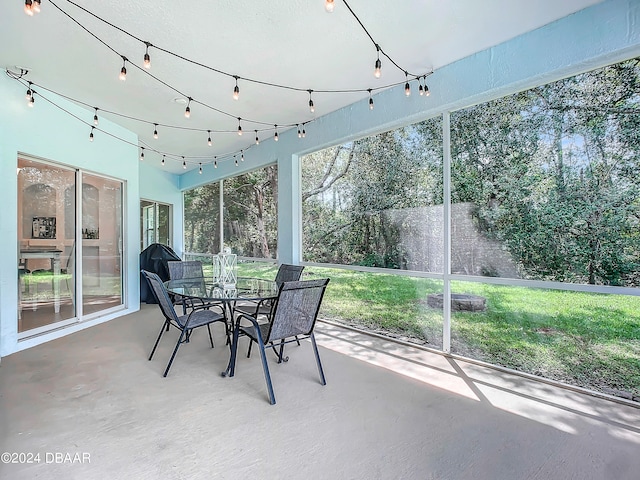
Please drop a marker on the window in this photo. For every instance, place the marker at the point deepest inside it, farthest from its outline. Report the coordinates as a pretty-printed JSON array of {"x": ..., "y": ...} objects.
[{"x": 155, "y": 223}]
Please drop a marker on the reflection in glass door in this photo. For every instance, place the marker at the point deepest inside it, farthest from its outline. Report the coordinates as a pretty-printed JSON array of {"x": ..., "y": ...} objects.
[
  {"x": 155, "y": 225},
  {"x": 102, "y": 240},
  {"x": 46, "y": 232}
]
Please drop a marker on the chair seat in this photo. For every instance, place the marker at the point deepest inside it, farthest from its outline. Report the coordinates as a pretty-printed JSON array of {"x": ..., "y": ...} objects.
[
  {"x": 250, "y": 309},
  {"x": 250, "y": 331},
  {"x": 199, "y": 318}
]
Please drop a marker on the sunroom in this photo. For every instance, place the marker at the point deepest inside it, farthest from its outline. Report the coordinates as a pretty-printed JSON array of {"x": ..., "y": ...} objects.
[{"x": 479, "y": 200}]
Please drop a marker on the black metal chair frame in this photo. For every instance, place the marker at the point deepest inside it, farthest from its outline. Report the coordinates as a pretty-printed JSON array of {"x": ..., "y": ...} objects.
[
  {"x": 288, "y": 323},
  {"x": 198, "y": 317}
]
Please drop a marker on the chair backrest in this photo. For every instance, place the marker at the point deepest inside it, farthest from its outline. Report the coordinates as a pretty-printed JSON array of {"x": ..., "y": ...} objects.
[
  {"x": 288, "y": 273},
  {"x": 185, "y": 269},
  {"x": 161, "y": 294},
  {"x": 296, "y": 309}
]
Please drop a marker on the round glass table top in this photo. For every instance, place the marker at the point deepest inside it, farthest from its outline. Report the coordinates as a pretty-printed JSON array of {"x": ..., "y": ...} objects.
[{"x": 206, "y": 288}]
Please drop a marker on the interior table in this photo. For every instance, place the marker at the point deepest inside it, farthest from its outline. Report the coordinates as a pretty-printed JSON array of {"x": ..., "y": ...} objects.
[
  {"x": 53, "y": 254},
  {"x": 207, "y": 290}
]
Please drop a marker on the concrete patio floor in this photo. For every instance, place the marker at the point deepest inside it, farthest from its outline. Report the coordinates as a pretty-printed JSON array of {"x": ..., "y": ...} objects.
[{"x": 389, "y": 411}]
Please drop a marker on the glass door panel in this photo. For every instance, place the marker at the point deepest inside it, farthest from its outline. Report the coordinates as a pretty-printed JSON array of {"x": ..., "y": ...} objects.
[
  {"x": 46, "y": 231},
  {"x": 101, "y": 243}
]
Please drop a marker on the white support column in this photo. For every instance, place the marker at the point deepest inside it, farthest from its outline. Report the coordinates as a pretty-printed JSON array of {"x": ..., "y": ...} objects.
[
  {"x": 446, "y": 169},
  {"x": 221, "y": 216}
]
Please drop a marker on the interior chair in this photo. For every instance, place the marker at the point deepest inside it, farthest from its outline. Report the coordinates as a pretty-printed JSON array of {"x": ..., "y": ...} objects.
[
  {"x": 197, "y": 317},
  {"x": 294, "y": 316}
]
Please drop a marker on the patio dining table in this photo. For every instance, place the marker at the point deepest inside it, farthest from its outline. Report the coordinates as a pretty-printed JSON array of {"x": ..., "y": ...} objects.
[{"x": 208, "y": 290}]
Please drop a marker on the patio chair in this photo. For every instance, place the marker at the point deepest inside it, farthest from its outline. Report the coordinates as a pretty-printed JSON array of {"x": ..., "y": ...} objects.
[
  {"x": 294, "y": 316},
  {"x": 188, "y": 270},
  {"x": 198, "y": 317},
  {"x": 286, "y": 273}
]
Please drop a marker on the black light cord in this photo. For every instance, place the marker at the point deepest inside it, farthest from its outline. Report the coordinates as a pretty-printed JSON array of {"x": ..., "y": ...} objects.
[{"x": 253, "y": 80}]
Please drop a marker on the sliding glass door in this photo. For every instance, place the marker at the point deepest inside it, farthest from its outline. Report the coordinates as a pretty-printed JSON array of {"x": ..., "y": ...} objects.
[{"x": 69, "y": 228}]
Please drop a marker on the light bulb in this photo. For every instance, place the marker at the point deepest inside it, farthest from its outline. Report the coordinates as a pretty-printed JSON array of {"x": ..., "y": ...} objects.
[
  {"x": 215, "y": 162},
  {"x": 95, "y": 117},
  {"x": 236, "y": 90},
  {"x": 311, "y": 107},
  {"x": 236, "y": 160},
  {"x": 200, "y": 171},
  {"x": 36, "y": 6},
  {"x": 275, "y": 135},
  {"x": 209, "y": 139},
  {"x": 29, "y": 92},
  {"x": 304, "y": 134},
  {"x": 299, "y": 132},
  {"x": 162, "y": 160},
  {"x": 147, "y": 59},
  {"x": 187, "y": 112},
  {"x": 28, "y": 8},
  {"x": 32, "y": 101},
  {"x": 241, "y": 156},
  {"x": 184, "y": 163},
  {"x": 370, "y": 103},
  {"x": 378, "y": 66},
  {"x": 257, "y": 139},
  {"x": 155, "y": 131},
  {"x": 91, "y": 135},
  {"x": 123, "y": 73},
  {"x": 142, "y": 154},
  {"x": 407, "y": 89},
  {"x": 426, "y": 90},
  {"x": 328, "y": 6},
  {"x": 239, "y": 127},
  {"x": 421, "y": 90}
]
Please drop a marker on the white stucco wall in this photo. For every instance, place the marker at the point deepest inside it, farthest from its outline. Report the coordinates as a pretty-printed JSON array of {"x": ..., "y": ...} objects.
[{"x": 46, "y": 132}]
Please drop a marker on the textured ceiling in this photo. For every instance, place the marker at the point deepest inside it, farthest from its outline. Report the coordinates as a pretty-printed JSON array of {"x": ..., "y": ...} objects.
[{"x": 289, "y": 42}]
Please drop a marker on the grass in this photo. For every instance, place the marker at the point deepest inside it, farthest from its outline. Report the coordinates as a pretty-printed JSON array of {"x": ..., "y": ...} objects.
[{"x": 583, "y": 339}]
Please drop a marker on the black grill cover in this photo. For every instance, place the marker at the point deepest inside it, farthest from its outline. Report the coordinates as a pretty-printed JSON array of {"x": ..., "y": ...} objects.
[{"x": 154, "y": 259}]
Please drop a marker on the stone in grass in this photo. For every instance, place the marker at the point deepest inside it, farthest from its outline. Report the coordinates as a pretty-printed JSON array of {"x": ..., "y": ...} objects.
[{"x": 460, "y": 302}]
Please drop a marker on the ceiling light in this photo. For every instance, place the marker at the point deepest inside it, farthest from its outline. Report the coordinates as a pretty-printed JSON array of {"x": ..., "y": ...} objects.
[
  {"x": 328, "y": 5},
  {"x": 28, "y": 8},
  {"x": 36, "y": 6}
]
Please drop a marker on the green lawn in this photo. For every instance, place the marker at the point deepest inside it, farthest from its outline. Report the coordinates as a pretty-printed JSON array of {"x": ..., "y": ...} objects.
[{"x": 583, "y": 339}]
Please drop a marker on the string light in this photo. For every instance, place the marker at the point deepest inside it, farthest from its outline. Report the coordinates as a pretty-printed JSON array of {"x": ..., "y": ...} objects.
[
  {"x": 209, "y": 139},
  {"x": 304, "y": 134},
  {"x": 200, "y": 171},
  {"x": 235, "y": 160},
  {"x": 29, "y": 93},
  {"x": 239, "y": 127},
  {"x": 123, "y": 70},
  {"x": 32, "y": 100},
  {"x": 28, "y": 8},
  {"x": 407, "y": 87},
  {"x": 147, "y": 59},
  {"x": 184, "y": 163},
  {"x": 187, "y": 111},
  {"x": 215, "y": 162},
  {"x": 95, "y": 117},
  {"x": 141, "y": 154},
  {"x": 36, "y": 6},
  {"x": 155, "y": 131},
  {"x": 299, "y": 132},
  {"x": 257, "y": 139},
  {"x": 162, "y": 163},
  {"x": 312, "y": 109},
  {"x": 275, "y": 135},
  {"x": 426, "y": 87},
  {"x": 378, "y": 65},
  {"x": 370, "y": 100},
  {"x": 328, "y": 6},
  {"x": 236, "y": 89},
  {"x": 242, "y": 156},
  {"x": 91, "y": 135}
]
